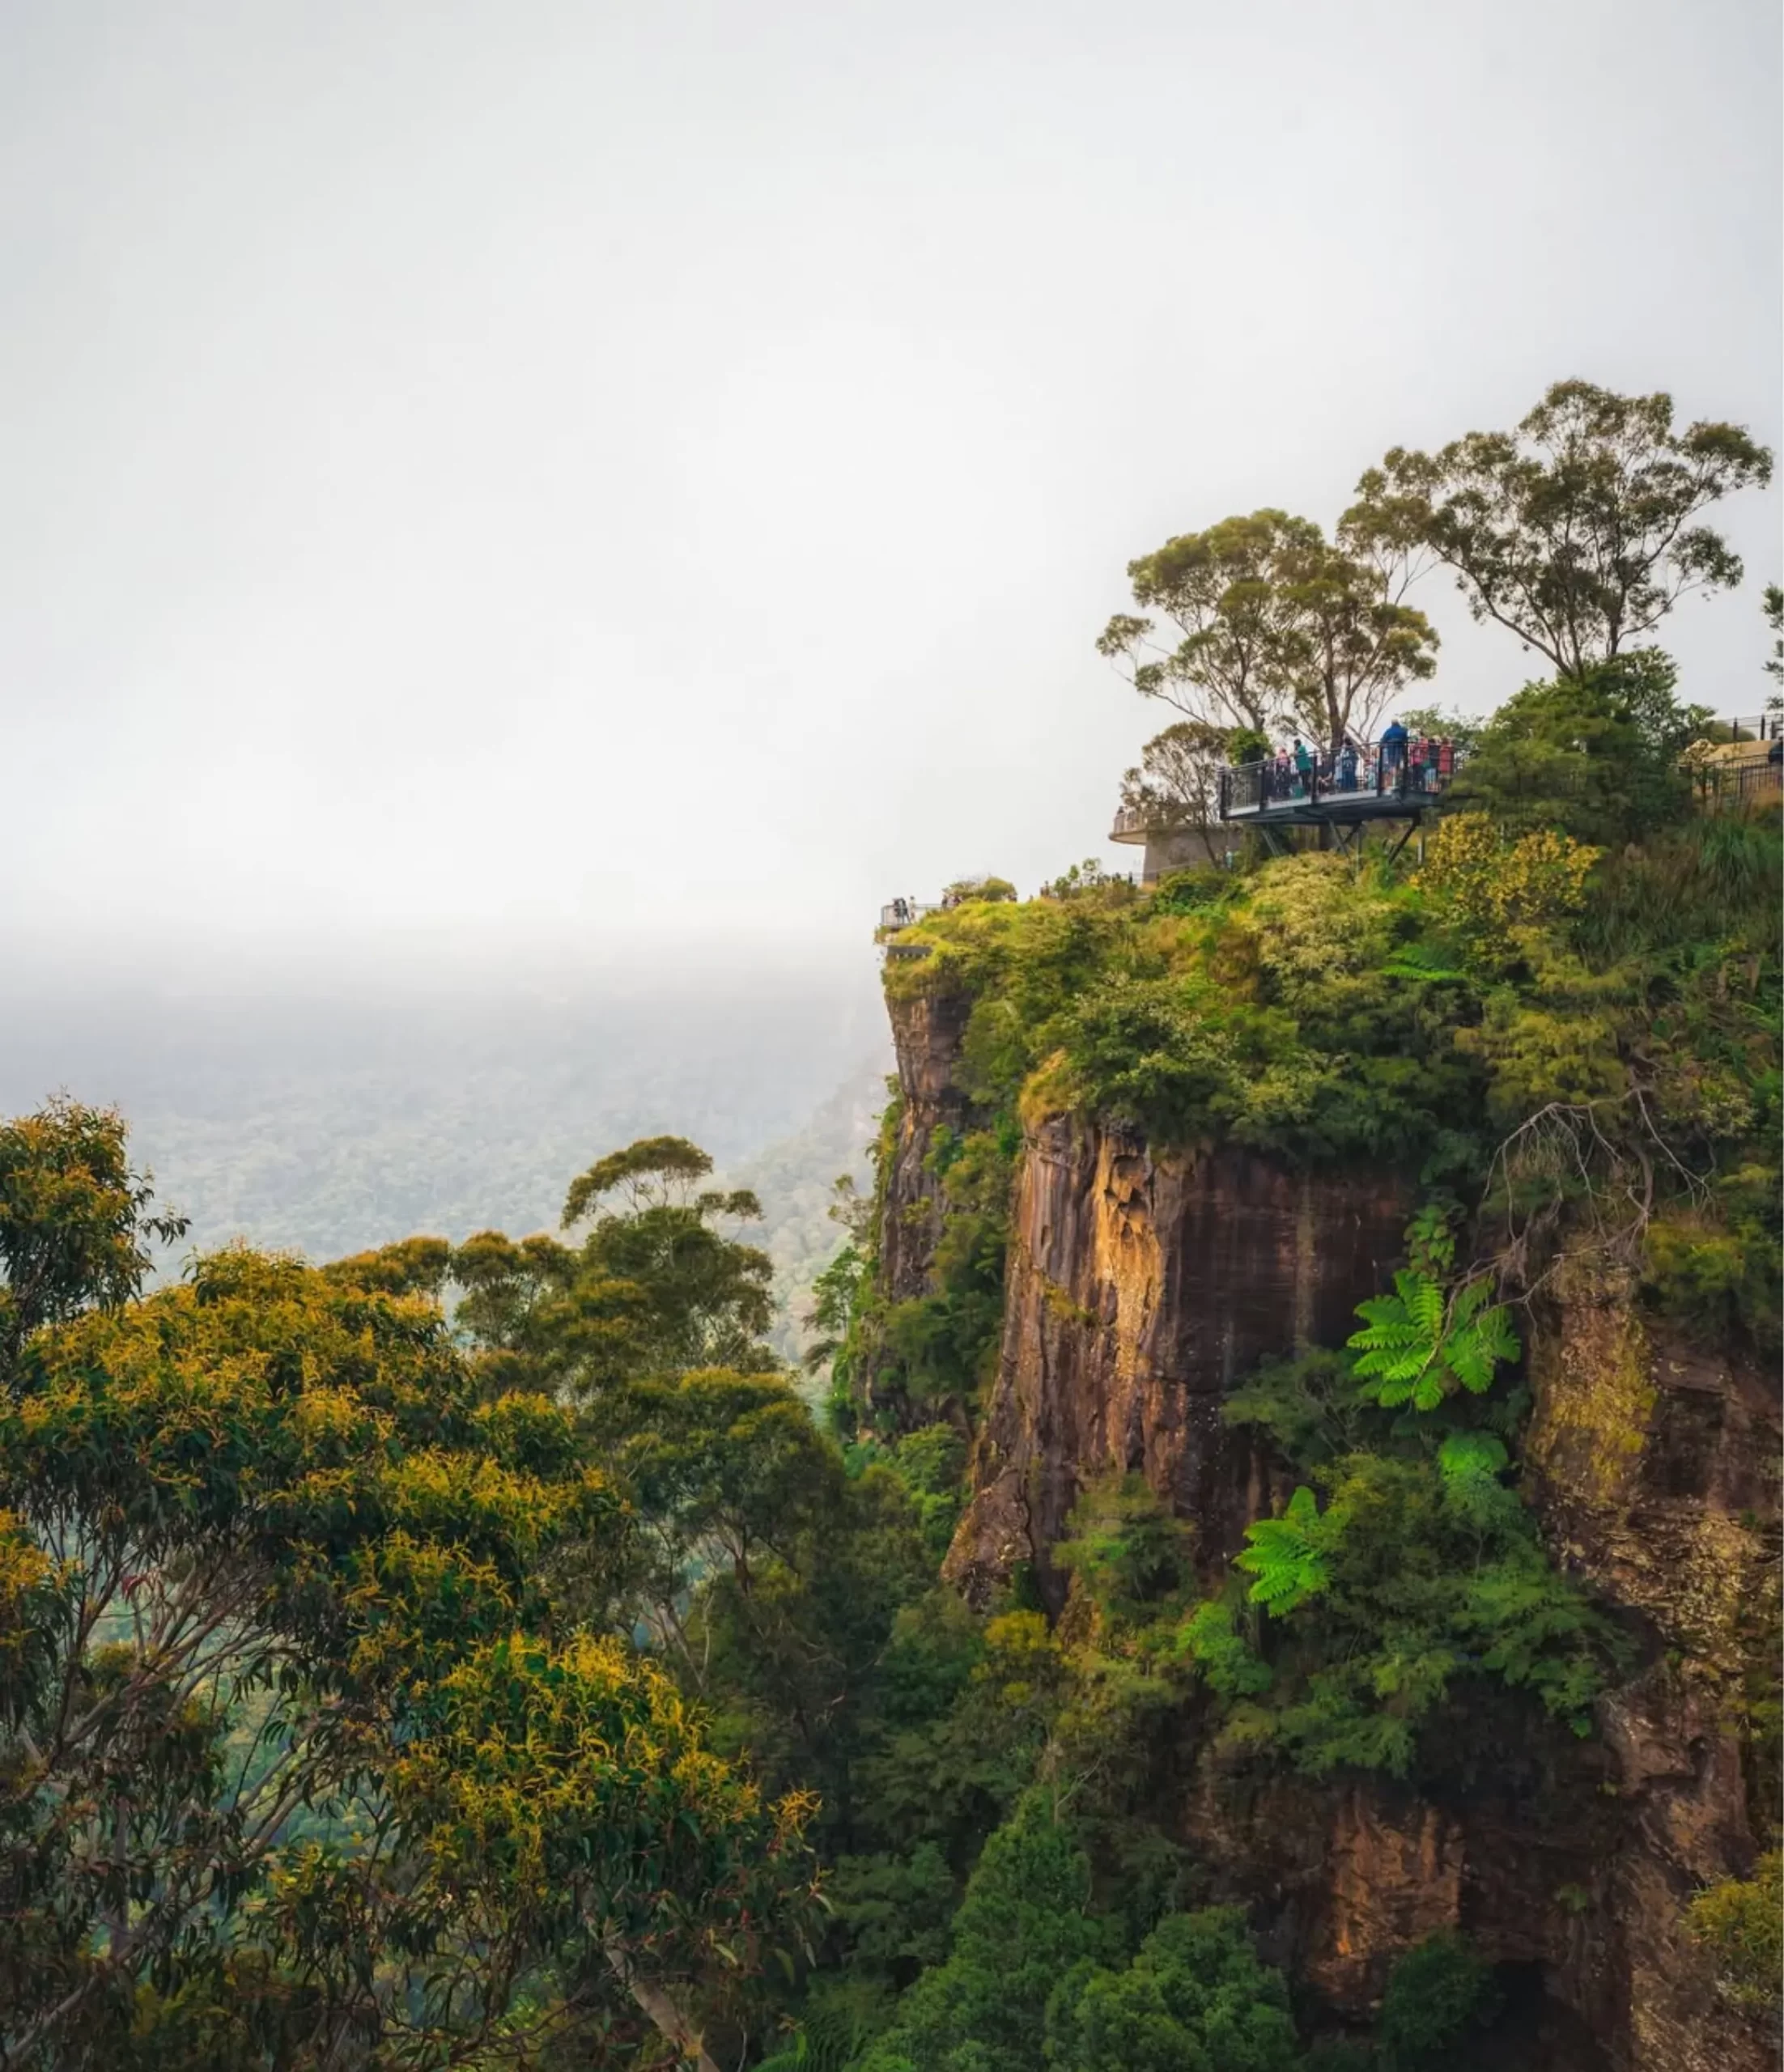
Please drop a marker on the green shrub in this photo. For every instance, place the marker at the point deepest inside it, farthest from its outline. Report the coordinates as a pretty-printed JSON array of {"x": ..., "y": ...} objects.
[
  {"x": 1713, "y": 880},
  {"x": 1436, "y": 1993},
  {"x": 1418, "y": 1576},
  {"x": 1594, "y": 757},
  {"x": 1190, "y": 892},
  {"x": 1023, "y": 1925},
  {"x": 1195, "y": 1999},
  {"x": 1741, "y": 1923},
  {"x": 1717, "y": 1283},
  {"x": 1128, "y": 1552}
]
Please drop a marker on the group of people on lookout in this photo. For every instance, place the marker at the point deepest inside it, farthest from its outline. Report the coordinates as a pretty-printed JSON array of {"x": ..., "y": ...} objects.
[{"x": 1401, "y": 762}]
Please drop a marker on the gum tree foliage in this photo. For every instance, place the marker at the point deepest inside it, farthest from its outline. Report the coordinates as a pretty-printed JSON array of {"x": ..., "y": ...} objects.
[
  {"x": 1275, "y": 624},
  {"x": 1176, "y": 782},
  {"x": 766, "y": 1575},
  {"x": 1595, "y": 756},
  {"x": 1579, "y": 530},
  {"x": 785, "y": 1584},
  {"x": 1215, "y": 589},
  {"x": 75, "y": 1222},
  {"x": 300, "y": 1762}
]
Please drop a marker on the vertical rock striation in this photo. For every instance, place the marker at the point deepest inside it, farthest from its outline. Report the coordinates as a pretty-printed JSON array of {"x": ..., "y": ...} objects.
[
  {"x": 926, "y": 1033},
  {"x": 1141, "y": 1287},
  {"x": 1139, "y": 1291},
  {"x": 1654, "y": 1465}
]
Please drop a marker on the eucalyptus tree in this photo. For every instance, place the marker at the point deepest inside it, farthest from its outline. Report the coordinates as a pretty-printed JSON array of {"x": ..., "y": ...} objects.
[
  {"x": 1579, "y": 530},
  {"x": 304, "y": 1758},
  {"x": 1276, "y": 625}
]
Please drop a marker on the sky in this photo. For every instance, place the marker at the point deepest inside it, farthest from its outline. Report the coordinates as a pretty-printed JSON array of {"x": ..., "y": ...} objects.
[{"x": 646, "y": 477}]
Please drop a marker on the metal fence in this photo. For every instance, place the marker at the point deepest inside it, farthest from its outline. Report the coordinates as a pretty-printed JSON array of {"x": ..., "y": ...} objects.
[
  {"x": 1386, "y": 771},
  {"x": 1725, "y": 787},
  {"x": 904, "y": 913}
]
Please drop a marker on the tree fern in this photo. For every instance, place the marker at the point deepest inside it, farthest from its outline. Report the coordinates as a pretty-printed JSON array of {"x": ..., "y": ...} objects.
[
  {"x": 1470, "y": 1464},
  {"x": 1423, "y": 966},
  {"x": 1417, "y": 1348},
  {"x": 1287, "y": 1555},
  {"x": 1211, "y": 1637}
]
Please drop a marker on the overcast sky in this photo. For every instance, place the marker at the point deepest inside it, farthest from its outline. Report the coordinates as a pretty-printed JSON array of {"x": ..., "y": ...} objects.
[{"x": 616, "y": 470}]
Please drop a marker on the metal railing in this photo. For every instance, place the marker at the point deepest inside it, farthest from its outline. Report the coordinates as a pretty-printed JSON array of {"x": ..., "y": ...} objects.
[
  {"x": 1388, "y": 771},
  {"x": 1767, "y": 727},
  {"x": 904, "y": 913},
  {"x": 1722, "y": 787}
]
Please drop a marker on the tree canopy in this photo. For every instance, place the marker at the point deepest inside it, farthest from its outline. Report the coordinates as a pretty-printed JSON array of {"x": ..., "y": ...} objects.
[
  {"x": 1578, "y": 531},
  {"x": 1277, "y": 625},
  {"x": 301, "y": 1759}
]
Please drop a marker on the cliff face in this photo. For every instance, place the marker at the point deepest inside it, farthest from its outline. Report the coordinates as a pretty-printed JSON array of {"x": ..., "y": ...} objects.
[
  {"x": 926, "y": 1034},
  {"x": 1139, "y": 1291},
  {"x": 1140, "y": 1288},
  {"x": 1655, "y": 1467}
]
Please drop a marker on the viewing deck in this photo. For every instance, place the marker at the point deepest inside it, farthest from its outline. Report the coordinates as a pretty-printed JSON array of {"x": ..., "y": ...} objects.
[
  {"x": 1342, "y": 789},
  {"x": 895, "y": 916}
]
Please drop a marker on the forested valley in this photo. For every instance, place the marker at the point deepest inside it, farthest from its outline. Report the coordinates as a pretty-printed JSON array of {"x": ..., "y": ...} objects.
[{"x": 495, "y": 1650}]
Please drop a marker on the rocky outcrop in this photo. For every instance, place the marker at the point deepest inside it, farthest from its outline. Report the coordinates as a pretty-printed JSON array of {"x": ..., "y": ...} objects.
[
  {"x": 926, "y": 1032},
  {"x": 1653, "y": 1463},
  {"x": 1139, "y": 1291},
  {"x": 1141, "y": 1287}
]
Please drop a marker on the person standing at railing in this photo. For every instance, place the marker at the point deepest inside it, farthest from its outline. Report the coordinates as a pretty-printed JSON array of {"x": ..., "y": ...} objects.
[
  {"x": 1347, "y": 767},
  {"x": 1445, "y": 763},
  {"x": 1303, "y": 768},
  {"x": 1393, "y": 745}
]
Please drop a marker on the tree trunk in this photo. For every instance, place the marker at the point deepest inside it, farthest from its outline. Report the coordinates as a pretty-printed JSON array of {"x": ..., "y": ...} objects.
[{"x": 665, "y": 2016}]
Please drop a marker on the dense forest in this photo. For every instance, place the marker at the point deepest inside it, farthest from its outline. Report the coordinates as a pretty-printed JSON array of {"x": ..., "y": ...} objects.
[{"x": 481, "y": 1652}]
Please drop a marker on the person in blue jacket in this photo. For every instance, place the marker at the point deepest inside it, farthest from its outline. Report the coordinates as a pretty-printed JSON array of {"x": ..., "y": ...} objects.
[{"x": 1393, "y": 745}]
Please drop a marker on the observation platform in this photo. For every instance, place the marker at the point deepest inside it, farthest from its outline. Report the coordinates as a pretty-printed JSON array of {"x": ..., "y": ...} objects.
[
  {"x": 895, "y": 916},
  {"x": 1345, "y": 790}
]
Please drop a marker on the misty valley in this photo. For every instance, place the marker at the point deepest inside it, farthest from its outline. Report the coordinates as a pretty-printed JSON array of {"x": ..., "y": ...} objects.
[{"x": 1186, "y": 1482}]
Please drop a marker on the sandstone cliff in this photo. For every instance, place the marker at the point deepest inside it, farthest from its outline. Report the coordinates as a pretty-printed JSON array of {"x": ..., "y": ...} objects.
[
  {"x": 926, "y": 1034},
  {"x": 1139, "y": 1289}
]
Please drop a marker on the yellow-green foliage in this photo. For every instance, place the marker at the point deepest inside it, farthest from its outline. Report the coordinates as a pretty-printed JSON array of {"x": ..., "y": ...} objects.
[
  {"x": 1741, "y": 1925},
  {"x": 546, "y": 1778},
  {"x": 273, "y": 1549},
  {"x": 1497, "y": 886},
  {"x": 1326, "y": 1013},
  {"x": 1266, "y": 1011}
]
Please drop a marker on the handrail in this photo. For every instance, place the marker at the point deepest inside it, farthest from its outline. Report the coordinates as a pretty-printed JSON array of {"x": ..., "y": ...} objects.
[
  {"x": 1386, "y": 771},
  {"x": 904, "y": 913},
  {"x": 1717, "y": 784}
]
